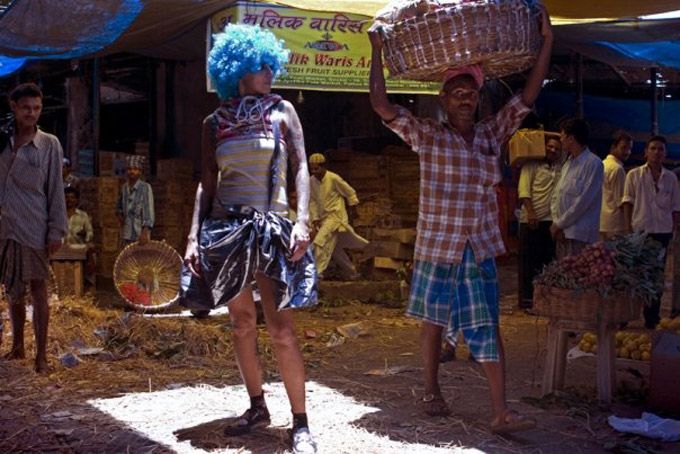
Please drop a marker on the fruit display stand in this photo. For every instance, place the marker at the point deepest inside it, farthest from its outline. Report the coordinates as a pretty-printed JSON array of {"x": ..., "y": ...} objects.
[{"x": 586, "y": 310}]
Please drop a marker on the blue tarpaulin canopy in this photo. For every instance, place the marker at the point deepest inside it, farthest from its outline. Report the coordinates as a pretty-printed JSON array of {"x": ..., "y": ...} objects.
[
  {"x": 607, "y": 30},
  {"x": 44, "y": 29},
  {"x": 659, "y": 53}
]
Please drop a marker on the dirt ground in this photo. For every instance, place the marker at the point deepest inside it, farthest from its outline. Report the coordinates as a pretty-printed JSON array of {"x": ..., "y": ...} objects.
[{"x": 170, "y": 384}]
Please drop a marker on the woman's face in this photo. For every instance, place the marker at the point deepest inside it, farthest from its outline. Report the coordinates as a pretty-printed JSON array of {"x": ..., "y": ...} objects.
[{"x": 258, "y": 82}]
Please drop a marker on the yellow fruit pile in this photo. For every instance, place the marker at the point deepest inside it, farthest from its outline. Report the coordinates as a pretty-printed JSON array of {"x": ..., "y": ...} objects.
[
  {"x": 629, "y": 345},
  {"x": 670, "y": 324}
]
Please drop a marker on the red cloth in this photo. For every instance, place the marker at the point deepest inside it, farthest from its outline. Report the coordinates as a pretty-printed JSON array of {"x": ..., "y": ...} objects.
[{"x": 472, "y": 70}]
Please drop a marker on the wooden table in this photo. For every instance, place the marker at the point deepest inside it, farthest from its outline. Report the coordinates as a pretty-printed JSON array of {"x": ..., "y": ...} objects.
[
  {"x": 555, "y": 365},
  {"x": 68, "y": 264},
  {"x": 569, "y": 310}
]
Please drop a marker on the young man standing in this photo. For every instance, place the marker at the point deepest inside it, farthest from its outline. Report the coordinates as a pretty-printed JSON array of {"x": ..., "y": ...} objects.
[
  {"x": 651, "y": 203},
  {"x": 537, "y": 182},
  {"x": 577, "y": 198},
  {"x": 612, "y": 221},
  {"x": 135, "y": 204},
  {"x": 33, "y": 217},
  {"x": 454, "y": 281}
]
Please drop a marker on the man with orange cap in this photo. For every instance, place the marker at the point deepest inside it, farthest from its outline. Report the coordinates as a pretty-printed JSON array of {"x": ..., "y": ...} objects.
[
  {"x": 330, "y": 195},
  {"x": 454, "y": 284}
]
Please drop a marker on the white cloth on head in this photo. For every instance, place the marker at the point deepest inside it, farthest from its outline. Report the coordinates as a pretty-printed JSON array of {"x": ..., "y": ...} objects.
[{"x": 135, "y": 161}]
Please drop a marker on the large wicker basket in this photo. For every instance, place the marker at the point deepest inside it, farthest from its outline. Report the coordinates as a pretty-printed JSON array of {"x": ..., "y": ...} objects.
[
  {"x": 503, "y": 36},
  {"x": 147, "y": 276},
  {"x": 585, "y": 306}
]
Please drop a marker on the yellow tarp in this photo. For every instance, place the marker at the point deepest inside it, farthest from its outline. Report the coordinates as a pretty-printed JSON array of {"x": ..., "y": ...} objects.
[{"x": 562, "y": 11}]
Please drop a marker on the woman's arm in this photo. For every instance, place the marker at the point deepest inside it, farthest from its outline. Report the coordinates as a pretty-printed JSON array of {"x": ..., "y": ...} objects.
[{"x": 295, "y": 142}]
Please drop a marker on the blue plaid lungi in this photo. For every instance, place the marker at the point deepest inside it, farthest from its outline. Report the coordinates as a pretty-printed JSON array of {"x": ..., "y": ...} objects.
[{"x": 459, "y": 297}]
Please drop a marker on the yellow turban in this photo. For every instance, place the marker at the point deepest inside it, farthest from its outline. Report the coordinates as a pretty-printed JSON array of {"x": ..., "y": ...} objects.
[{"x": 317, "y": 158}]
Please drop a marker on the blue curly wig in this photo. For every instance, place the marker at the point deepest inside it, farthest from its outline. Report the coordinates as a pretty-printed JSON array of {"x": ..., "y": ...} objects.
[{"x": 243, "y": 49}]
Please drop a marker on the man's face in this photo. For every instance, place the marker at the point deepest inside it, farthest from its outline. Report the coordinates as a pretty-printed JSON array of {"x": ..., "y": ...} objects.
[
  {"x": 553, "y": 150},
  {"x": 655, "y": 152},
  {"x": 258, "y": 82},
  {"x": 134, "y": 173},
  {"x": 65, "y": 170},
  {"x": 568, "y": 141},
  {"x": 622, "y": 150},
  {"x": 318, "y": 170},
  {"x": 26, "y": 111},
  {"x": 459, "y": 98},
  {"x": 71, "y": 200}
]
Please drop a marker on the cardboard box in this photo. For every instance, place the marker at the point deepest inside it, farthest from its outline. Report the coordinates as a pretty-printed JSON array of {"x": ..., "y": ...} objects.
[
  {"x": 387, "y": 263},
  {"x": 407, "y": 236},
  {"x": 528, "y": 144},
  {"x": 392, "y": 249},
  {"x": 175, "y": 168},
  {"x": 111, "y": 163},
  {"x": 110, "y": 239},
  {"x": 664, "y": 380}
]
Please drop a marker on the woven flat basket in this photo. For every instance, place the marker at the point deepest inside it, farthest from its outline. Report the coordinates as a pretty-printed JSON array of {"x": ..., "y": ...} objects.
[
  {"x": 585, "y": 306},
  {"x": 147, "y": 276},
  {"x": 503, "y": 36}
]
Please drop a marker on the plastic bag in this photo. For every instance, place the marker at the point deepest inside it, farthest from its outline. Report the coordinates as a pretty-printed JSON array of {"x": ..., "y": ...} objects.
[{"x": 649, "y": 425}]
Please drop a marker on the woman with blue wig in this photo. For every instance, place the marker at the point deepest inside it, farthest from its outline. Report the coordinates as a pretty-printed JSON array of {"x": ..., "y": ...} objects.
[{"x": 239, "y": 234}]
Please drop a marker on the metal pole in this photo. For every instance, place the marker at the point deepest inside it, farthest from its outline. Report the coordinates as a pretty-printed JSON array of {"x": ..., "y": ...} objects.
[
  {"x": 655, "y": 101},
  {"x": 153, "y": 112},
  {"x": 95, "y": 112},
  {"x": 579, "y": 86}
]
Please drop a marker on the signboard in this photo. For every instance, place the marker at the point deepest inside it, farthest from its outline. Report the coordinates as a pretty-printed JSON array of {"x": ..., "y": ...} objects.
[{"x": 328, "y": 51}]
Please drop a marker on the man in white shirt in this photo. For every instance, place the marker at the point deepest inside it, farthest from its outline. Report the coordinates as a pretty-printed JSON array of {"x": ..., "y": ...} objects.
[
  {"x": 537, "y": 182},
  {"x": 577, "y": 198},
  {"x": 329, "y": 194},
  {"x": 651, "y": 204},
  {"x": 612, "y": 220}
]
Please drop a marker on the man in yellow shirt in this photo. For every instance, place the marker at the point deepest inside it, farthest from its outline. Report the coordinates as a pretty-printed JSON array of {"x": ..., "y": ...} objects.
[
  {"x": 329, "y": 196},
  {"x": 612, "y": 220},
  {"x": 536, "y": 246}
]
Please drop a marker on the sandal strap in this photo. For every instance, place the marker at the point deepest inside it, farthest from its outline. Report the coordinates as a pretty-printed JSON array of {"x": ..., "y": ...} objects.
[{"x": 432, "y": 397}]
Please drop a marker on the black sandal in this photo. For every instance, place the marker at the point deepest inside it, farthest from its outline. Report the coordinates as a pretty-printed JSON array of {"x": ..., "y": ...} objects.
[
  {"x": 252, "y": 418},
  {"x": 435, "y": 405}
]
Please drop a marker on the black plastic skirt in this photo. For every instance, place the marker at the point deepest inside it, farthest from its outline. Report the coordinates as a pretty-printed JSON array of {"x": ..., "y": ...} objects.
[{"x": 233, "y": 250}]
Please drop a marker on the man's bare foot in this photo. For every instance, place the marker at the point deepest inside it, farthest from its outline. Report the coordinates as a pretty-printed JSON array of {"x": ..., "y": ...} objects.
[
  {"x": 41, "y": 366},
  {"x": 15, "y": 353},
  {"x": 511, "y": 421}
]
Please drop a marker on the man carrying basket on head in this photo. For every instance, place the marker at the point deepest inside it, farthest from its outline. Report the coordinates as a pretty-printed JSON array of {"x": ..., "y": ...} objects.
[{"x": 454, "y": 283}]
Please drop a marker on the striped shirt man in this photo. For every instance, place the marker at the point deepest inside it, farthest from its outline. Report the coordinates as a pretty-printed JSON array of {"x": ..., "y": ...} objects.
[
  {"x": 135, "y": 204},
  {"x": 33, "y": 209}
]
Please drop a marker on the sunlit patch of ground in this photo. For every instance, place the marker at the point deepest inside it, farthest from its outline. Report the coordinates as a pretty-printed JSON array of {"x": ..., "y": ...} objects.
[{"x": 192, "y": 420}]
